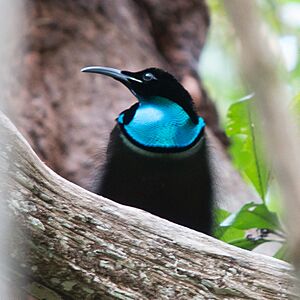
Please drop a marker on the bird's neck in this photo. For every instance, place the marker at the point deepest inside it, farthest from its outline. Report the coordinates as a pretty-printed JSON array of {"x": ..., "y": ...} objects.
[{"x": 161, "y": 124}]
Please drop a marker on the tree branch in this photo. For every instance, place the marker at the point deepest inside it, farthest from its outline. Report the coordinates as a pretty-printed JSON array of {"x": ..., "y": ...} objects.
[{"x": 87, "y": 247}]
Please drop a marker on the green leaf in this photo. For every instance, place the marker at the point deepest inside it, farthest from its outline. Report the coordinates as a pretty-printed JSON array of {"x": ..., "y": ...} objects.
[
  {"x": 225, "y": 234},
  {"x": 273, "y": 199},
  {"x": 246, "y": 148},
  {"x": 282, "y": 253},
  {"x": 252, "y": 215},
  {"x": 248, "y": 244},
  {"x": 220, "y": 214},
  {"x": 228, "y": 234}
]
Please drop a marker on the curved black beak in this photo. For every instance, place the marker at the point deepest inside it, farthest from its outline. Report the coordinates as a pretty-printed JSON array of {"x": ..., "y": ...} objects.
[{"x": 114, "y": 73}]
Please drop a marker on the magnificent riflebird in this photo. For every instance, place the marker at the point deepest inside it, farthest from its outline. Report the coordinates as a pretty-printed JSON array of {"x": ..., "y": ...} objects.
[{"x": 157, "y": 156}]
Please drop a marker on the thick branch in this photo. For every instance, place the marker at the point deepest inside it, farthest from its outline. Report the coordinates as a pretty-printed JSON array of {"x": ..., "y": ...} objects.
[{"x": 87, "y": 247}]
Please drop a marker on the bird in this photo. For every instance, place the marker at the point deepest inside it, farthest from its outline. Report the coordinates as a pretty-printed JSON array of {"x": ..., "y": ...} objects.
[{"x": 157, "y": 156}]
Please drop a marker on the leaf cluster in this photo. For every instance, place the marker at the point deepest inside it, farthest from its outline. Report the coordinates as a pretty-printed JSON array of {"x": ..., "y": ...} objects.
[{"x": 255, "y": 223}]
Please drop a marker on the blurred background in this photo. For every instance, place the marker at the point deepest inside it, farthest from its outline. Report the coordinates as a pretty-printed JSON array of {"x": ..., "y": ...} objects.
[
  {"x": 234, "y": 100},
  {"x": 219, "y": 61}
]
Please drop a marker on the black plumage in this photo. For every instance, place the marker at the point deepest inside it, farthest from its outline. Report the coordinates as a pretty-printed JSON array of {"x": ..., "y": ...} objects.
[{"x": 172, "y": 182}]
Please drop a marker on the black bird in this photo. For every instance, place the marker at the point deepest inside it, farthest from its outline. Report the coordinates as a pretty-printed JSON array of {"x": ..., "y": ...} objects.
[{"x": 157, "y": 157}]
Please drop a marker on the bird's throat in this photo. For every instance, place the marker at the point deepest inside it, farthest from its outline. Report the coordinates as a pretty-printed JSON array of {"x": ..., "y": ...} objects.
[{"x": 161, "y": 124}]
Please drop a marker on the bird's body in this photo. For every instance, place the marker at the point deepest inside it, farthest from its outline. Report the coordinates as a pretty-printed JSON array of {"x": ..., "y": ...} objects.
[
  {"x": 175, "y": 186},
  {"x": 157, "y": 157}
]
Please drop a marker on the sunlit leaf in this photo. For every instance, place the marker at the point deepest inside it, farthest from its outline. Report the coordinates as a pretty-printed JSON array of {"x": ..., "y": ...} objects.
[
  {"x": 248, "y": 244},
  {"x": 230, "y": 233},
  {"x": 246, "y": 148},
  {"x": 273, "y": 199},
  {"x": 225, "y": 234},
  {"x": 282, "y": 253},
  {"x": 252, "y": 215}
]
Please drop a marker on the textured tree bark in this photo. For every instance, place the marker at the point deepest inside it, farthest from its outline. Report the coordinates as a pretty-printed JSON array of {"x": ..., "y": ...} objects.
[{"x": 83, "y": 246}]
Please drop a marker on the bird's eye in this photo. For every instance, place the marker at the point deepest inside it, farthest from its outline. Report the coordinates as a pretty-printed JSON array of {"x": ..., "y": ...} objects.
[{"x": 148, "y": 76}]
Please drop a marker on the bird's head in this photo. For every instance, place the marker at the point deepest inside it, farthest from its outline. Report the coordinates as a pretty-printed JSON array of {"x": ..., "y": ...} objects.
[
  {"x": 150, "y": 83},
  {"x": 154, "y": 86}
]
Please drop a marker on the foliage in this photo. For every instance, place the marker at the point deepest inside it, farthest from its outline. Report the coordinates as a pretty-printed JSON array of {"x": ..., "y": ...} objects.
[
  {"x": 254, "y": 223},
  {"x": 237, "y": 228},
  {"x": 246, "y": 150}
]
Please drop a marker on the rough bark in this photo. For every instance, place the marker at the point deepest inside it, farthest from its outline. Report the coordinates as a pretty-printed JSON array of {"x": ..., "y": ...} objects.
[{"x": 83, "y": 246}]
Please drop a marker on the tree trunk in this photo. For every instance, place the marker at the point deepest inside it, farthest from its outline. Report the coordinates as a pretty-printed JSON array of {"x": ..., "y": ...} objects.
[{"x": 83, "y": 246}]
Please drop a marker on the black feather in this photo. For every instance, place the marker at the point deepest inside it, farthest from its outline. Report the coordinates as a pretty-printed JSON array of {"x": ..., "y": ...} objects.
[
  {"x": 174, "y": 183},
  {"x": 173, "y": 186}
]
